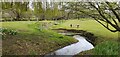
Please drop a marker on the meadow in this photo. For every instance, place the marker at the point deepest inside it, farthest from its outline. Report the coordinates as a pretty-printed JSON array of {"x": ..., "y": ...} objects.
[
  {"x": 32, "y": 34},
  {"x": 31, "y": 39},
  {"x": 106, "y": 41}
]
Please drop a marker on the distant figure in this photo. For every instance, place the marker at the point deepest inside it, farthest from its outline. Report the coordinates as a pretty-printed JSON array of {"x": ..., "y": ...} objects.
[
  {"x": 70, "y": 25},
  {"x": 77, "y": 25}
]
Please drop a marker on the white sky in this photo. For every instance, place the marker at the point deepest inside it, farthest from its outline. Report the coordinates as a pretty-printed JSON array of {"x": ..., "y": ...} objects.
[{"x": 30, "y": 5}]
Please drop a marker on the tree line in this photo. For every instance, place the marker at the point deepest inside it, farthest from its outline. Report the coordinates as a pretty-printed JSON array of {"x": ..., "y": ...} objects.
[
  {"x": 16, "y": 11},
  {"x": 105, "y": 13}
]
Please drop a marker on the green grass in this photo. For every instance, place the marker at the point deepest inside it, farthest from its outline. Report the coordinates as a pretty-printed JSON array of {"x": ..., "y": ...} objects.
[
  {"x": 90, "y": 26},
  {"x": 110, "y": 48},
  {"x": 106, "y": 41},
  {"x": 104, "y": 48},
  {"x": 32, "y": 39}
]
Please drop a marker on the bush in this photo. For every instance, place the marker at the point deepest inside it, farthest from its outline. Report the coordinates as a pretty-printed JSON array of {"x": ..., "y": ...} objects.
[{"x": 5, "y": 31}]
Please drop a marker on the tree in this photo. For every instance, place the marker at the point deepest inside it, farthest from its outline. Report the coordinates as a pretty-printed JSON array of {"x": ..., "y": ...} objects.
[
  {"x": 38, "y": 10},
  {"x": 105, "y": 13},
  {"x": 15, "y": 7},
  {"x": 19, "y": 8}
]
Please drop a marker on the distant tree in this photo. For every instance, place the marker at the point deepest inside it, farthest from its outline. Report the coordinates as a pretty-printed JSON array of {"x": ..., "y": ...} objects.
[
  {"x": 47, "y": 11},
  {"x": 15, "y": 7},
  {"x": 19, "y": 8},
  {"x": 38, "y": 10}
]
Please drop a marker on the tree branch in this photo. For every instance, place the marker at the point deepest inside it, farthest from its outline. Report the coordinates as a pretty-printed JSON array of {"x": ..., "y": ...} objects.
[
  {"x": 116, "y": 27},
  {"x": 106, "y": 26},
  {"x": 100, "y": 22},
  {"x": 110, "y": 7}
]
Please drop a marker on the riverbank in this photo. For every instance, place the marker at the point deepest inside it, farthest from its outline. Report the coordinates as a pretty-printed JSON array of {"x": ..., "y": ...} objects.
[
  {"x": 71, "y": 32},
  {"x": 31, "y": 38},
  {"x": 34, "y": 38},
  {"x": 73, "y": 49},
  {"x": 102, "y": 36}
]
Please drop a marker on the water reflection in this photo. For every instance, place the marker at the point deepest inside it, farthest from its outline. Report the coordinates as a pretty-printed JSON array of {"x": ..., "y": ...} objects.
[{"x": 73, "y": 49}]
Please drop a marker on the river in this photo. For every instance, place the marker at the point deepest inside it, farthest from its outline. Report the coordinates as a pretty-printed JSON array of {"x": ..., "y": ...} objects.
[{"x": 73, "y": 49}]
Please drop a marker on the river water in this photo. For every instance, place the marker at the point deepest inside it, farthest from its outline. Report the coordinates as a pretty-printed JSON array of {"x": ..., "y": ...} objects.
[{"x": 73, "y": 49}]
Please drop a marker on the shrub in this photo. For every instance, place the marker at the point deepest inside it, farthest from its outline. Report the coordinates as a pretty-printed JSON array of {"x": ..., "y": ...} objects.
[{"x": 5, "y": 31}]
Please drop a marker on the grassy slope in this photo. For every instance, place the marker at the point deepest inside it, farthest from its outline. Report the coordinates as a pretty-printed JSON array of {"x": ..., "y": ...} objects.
[
  {"x": 90, "y": 26},
  {"x": 30, "y": 40},
  {"x": 98, "y": 30}
]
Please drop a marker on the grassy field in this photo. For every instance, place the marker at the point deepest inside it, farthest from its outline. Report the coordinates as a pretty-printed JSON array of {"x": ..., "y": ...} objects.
[
  {"x": 36, "y": 38},
  {"x": 106, "y": 41},
  {"x": 32, "y": 38},
  {"x": 90, "y": 26}
]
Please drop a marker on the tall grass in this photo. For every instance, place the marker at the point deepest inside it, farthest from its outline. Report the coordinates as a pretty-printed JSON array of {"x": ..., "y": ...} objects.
[{"x": 107, "y": 48}]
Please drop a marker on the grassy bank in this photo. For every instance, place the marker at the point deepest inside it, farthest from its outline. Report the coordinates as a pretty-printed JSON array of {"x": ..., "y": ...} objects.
[
  {"x": 32, "y": 38},
  {"x": 104, "y": 36}
]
